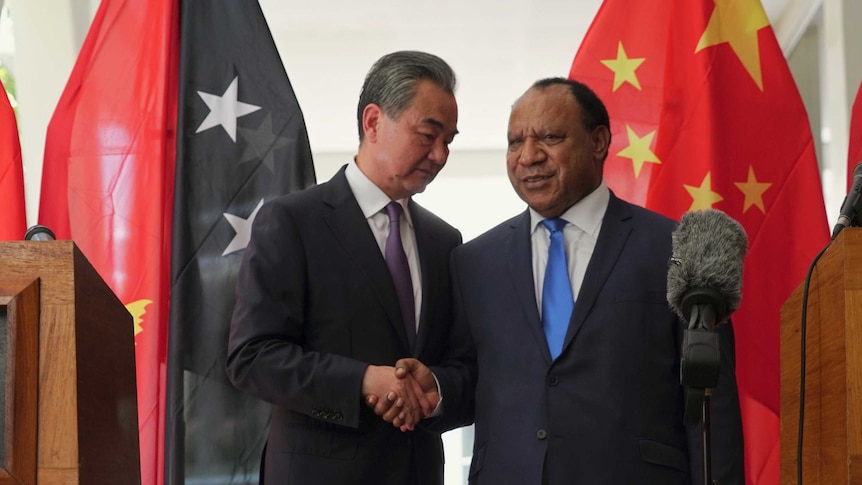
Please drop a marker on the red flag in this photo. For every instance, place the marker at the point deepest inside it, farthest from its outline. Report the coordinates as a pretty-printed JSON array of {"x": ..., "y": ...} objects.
[
  {"x": 705, "y": 114},
  {"x": 13, "y": 224},
  {"x": 108, "y": 180},
  {"x": 854, "y": 154}
]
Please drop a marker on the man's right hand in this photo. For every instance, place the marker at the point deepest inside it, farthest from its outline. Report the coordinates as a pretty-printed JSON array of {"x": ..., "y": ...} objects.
[
  {"x": 421, "y": 382},
  {"x": 415, "y": 397},
  {"x": 391, "y": 397}
]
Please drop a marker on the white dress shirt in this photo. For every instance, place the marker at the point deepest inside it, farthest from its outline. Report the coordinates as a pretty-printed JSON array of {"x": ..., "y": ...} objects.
[
  {"x": 579, "y": 236},
  {"x": 372, "y": 201}
]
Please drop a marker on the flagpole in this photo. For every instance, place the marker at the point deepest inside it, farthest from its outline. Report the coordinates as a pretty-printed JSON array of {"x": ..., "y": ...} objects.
[{"x": 706, "y": 424}]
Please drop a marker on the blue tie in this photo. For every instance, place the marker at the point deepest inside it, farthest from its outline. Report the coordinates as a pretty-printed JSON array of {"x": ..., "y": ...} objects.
[{"x": 557, "y": 303}]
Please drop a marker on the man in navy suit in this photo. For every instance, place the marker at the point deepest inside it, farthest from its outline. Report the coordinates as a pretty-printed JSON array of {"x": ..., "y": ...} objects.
[
  {"x": 319, "y": 319},
  {"x": 597, "y": 400}
]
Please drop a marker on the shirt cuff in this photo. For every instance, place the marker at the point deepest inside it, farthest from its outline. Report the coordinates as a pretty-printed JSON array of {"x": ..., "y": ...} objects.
[{"x": 438, "y": 410}]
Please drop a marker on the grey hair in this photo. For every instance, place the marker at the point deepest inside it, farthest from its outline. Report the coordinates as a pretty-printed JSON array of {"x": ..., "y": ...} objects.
[{"x": 391, "y": 82}]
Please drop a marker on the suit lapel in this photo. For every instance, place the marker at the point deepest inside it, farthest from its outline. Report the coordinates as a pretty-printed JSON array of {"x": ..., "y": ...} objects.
[
  {"x": 349, "y": 226},
  {"x": 430, "y": 271},
  {"x": 615, "y": 231},
  {"x": 519, "y": 258}
]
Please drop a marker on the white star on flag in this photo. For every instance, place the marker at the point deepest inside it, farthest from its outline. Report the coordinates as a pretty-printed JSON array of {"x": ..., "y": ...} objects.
[
  {"x": 242, "y": 228},
  {"x": 225, "y": 109}
]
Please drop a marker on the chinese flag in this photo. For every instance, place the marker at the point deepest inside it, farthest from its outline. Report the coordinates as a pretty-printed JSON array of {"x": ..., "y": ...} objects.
[
  {"x": 108, "y": 180},
  {"x": 13, "y": 222},
  {"x": 705, "y": 114},
  {"x": 854, "y": 154}
]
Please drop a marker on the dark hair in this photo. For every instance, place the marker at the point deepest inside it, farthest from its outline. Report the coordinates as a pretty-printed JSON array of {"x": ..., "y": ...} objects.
[
  {"x": 391, "y": 82},
  {"x": 594, "y": 113}
]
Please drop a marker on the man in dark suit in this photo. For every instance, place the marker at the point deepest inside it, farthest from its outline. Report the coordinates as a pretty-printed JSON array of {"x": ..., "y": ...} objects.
[
  {"x": 321, "y": 315},
  {"x": 595, "y": 397}
]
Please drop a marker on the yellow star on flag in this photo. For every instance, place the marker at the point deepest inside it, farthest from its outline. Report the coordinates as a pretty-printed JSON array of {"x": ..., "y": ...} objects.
[
  {"x": 737, "y": 23},
  {"x": 138, "y": 308},
  {"x": 638, "y": 150},
  {"x": 624, "y": 68},
  {"x": 753, "y": 191},
  {"x": 703, "y": 197}
]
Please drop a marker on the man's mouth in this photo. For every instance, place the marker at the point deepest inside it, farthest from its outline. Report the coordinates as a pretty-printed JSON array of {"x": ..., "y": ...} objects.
[
  {"x": 535, "y": 178},
  {"x": 428, "y": 172}
]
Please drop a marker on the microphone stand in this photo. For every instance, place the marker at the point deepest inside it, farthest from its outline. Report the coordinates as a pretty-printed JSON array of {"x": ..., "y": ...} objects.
[
  {"x": 706, "y": 433},
  {"x": 700, "y": 362}
]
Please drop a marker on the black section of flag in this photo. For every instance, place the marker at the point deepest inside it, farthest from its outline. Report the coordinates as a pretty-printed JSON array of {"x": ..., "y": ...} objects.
[{"x": 227, "y": 165}]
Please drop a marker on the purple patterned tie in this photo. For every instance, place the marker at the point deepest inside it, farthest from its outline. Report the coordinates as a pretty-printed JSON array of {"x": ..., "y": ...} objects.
[{"x": 396, "y": 260}]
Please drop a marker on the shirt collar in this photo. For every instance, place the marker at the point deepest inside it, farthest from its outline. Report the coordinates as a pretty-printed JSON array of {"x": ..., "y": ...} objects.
[
  {"x": 586, "y": 214},
  {"x": 370, "y": 198}
]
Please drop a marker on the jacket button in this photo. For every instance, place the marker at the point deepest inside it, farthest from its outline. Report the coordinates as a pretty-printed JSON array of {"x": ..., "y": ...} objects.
[
  {"x": 541, "y": 434},
  {"x": 339, "y": 417},
  {"x": 315, "y": 413},
  {"x": 553, "y": 380}
]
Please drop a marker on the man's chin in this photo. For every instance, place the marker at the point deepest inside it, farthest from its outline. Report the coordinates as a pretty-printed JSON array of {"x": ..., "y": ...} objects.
[
  {"x": 543, "y": 205},
  {"x": 419, "y": 186},
  {"x": 419, "y": 189}
]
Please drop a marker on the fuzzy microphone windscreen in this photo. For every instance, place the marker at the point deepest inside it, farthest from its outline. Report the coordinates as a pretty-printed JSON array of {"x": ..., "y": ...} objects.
[{"x": 708, "y": 251}]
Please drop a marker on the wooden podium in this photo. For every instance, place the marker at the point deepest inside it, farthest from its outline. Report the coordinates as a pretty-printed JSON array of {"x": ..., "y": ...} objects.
[
  {"x": 84, "y": 429},
  {"x": 832, "y": 432}
]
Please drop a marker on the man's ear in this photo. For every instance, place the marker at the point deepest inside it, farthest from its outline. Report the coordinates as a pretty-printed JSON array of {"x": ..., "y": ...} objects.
[
  {"x": 601, "y": 137},
  {"x": 371, "y": 121}
]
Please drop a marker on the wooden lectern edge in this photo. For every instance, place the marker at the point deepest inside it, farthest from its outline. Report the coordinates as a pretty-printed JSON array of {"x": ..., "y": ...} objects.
[
  {"x": 86, "y": 368},
  {"x": 832, "y": 439},
  {"x": 21, "y": 298}
]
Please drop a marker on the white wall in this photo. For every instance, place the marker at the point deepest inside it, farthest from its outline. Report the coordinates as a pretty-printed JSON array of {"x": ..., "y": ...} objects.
[{"x": 496, "y": 48}]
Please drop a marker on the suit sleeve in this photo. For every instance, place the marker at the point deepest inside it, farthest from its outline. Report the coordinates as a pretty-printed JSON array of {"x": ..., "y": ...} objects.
[
  {"x": 457, "y": 374},
  {"x": 266, "y": 354}
]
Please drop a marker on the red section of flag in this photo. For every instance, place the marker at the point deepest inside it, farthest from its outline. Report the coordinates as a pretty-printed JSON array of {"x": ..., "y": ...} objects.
[
  {"x": 705, "y": 113},
  {"x": 108, "y": 180},
  {"x": 13, "y": 223},
  {"x": 854, "y": 154}
]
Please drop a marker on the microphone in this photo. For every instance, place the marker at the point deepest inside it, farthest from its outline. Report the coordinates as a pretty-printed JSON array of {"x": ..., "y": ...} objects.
[
  {"x": 704, "y": 286},
  {"x": 852, "y": 203},
  {"x": 706, "y": 267},
  {"x": 39, "y": 233}
]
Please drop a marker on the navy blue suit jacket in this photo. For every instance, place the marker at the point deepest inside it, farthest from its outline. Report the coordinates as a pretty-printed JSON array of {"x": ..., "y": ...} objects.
[
  {"x": 609, "y": 409},
  {"x": 315, "y": 306}
]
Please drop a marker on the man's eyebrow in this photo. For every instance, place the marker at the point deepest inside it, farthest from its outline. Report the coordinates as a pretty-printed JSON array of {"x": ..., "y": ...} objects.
[
  {"x": 432, "y": 121},
  {"x": 437, "y": 124}
]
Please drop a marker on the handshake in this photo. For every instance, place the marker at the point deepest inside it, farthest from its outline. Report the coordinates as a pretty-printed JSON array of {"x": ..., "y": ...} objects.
[{"x": 401, "y": 395}]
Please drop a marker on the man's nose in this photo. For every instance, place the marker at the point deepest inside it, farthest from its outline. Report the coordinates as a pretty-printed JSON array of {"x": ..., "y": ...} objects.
[
  {"x": 439, "y": 152},
  {"x": 531, "y": 152}
]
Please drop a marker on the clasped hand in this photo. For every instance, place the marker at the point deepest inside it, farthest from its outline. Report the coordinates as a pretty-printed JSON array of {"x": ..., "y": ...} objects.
[{"x": 401, "y": 395}]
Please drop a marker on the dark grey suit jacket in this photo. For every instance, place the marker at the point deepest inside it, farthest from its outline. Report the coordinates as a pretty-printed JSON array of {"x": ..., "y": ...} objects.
[
  {"x": 609, "y": 410},
  {"x": 315, "y": 306}
]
